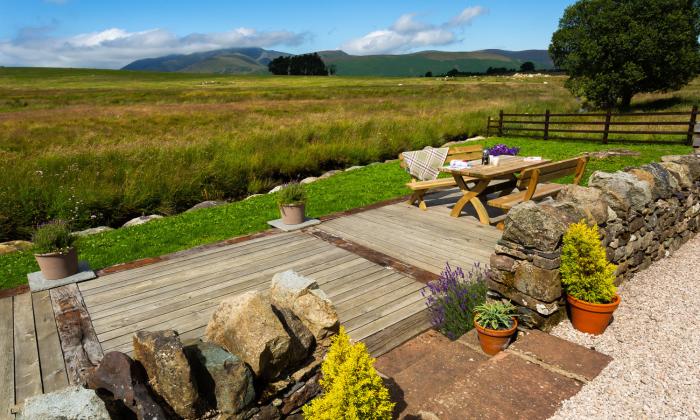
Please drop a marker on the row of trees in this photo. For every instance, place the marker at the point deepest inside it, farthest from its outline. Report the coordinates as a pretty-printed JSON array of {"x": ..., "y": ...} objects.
[
  {"x": 527, "y": 66},
  {"x": 300, "y": 65}
]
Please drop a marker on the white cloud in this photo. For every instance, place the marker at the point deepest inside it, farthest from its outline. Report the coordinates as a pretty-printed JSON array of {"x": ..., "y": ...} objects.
[
  {"x": 115, "y": 47},
  {"x": 407, "y": 34}
]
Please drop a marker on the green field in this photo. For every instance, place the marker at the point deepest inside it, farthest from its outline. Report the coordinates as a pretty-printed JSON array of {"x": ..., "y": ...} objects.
[{"x": 100, "y": 147}]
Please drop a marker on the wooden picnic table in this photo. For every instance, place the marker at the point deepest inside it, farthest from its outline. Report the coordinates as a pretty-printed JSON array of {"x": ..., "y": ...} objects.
[{"x": 482, "y": 175}]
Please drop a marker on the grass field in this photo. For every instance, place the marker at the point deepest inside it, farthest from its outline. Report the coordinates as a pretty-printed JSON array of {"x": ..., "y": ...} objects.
[{"x": 100, "y": 147}]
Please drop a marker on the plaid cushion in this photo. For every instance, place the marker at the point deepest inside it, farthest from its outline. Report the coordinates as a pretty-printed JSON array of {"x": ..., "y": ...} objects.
[{"x": 423, "y": 164}]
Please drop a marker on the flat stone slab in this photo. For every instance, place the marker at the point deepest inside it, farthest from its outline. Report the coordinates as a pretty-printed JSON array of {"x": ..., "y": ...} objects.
[
  {"x": 37, "y": 281},
  {"x": 277, "y": 223},
  {"x": 561, "y": 354}
]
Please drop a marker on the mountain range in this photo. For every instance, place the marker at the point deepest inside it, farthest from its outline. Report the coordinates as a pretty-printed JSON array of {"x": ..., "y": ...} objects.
[{"x": 255, "y": 61}]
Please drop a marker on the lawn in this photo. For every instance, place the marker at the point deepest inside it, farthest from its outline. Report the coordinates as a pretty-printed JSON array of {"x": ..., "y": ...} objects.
[
  {"x": 341, "y": 192},
  {"x": 100, "y": 147}
]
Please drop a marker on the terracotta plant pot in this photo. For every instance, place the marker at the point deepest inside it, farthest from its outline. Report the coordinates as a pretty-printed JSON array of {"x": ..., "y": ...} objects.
[
  {"x": 592, "y": 318},
  {"x": 494, "y": 341},
  {"x": 58, "y": 265},
  {"x": 292, "y": 214}
]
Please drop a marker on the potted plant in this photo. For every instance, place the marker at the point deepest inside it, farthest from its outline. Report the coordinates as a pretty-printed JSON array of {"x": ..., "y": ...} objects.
[
  {"x": 292, "y": 200},
  {"x": 54, "y": 250},
  {"x": 588, "y": 279},
  {"x": 495, "y": 323}
]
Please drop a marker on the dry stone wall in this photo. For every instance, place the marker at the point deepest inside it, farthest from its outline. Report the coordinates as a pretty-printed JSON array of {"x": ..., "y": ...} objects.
[{"x": 644, "y": 214}]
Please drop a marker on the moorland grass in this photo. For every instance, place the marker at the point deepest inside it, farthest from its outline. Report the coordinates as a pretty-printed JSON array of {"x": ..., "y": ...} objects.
[
  {"x": 344, "y": 191},
  {"x": 100, "y": 147}
]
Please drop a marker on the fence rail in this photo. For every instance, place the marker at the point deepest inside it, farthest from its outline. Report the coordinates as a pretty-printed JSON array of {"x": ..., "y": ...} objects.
[{"x": 621, "y": 125}]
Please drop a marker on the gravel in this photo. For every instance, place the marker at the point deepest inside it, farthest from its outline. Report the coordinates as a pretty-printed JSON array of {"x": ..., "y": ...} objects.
[{"x": 655, "y": 345}]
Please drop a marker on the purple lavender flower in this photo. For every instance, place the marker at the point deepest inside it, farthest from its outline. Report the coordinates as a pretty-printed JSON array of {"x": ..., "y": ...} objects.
[{"x": 502, "y": 149}]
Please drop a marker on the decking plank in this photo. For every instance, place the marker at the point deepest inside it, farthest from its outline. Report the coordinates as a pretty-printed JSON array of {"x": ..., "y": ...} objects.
[
  {"x": 53, "y": 368},
  {"x": 7, "y": 361},
  {"x": 27, "y": 372},
  {"x": 388, "y": 319}
]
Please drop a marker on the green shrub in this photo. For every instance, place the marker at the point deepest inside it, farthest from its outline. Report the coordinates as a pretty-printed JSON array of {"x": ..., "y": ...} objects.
[
  {"x": 352, "y": 389},
  {"x": 495, "y": 315},
  {"x": 53, "y": 237},
  {"x": 585, "y": 271},
  {"x": 292, "y": 193}
]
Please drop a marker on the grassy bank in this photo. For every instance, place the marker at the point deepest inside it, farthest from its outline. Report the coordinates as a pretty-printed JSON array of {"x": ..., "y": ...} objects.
[
  {"x": 341, "y": 192},
  {"x": 101, "y": 147}
]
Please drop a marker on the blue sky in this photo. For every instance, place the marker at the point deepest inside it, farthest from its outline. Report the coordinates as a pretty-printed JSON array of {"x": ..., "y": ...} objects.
[{"x": 110, "y": 34}]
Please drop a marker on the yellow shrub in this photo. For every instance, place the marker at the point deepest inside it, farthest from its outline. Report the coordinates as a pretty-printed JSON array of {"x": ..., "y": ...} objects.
[
  {"x": 352, "y": 389},
  {"x": 585, "y": 271}
]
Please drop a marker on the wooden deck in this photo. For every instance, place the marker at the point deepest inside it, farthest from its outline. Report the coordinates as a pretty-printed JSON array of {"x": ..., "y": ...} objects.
[{"x": 377, "y": 302}]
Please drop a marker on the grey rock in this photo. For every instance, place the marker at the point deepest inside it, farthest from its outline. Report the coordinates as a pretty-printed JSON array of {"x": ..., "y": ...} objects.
[
  {"x": 679, "y": 171},
  {"x": 692, "y": 161},
  {"x": 222, "y": 377},
  {"x": 663, "y": 183},
  {"x": 205, "y": 205},
  {"x": 622, "y": 191},
  {"x": 329, "y": 174},
  {"x": 308, "y": 180},
  {"x": 353, "y": 168},
  {"x": 72, "y": 403},
  {"x": 253, "y": 196},
  {"x": 534, "y": 226},
  {"x": 276, "y": 189},
  {"x": 141, "y": 220},
  {"x": 288, "y": 285},
  {"x": 588, "y": 201},
  {"x": 92, "y": 231},
  {"x": 544, "y": 285}
]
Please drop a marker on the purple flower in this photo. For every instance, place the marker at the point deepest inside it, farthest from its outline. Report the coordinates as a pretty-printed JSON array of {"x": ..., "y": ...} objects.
[{"x": 502, "y": 149}]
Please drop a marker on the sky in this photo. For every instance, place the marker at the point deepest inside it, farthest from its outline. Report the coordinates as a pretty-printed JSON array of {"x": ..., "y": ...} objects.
[{"x": 111, "y": 34}]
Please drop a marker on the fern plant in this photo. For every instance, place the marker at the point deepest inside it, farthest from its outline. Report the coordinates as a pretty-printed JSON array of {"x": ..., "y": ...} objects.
[
  {"x": 585, "y": 270},
  {"x": 352, "y": 389},
  {"x": 495, "y": 315}
]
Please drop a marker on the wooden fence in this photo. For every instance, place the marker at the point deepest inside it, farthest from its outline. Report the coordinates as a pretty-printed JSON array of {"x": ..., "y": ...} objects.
[{"x": 654, "y": 127}]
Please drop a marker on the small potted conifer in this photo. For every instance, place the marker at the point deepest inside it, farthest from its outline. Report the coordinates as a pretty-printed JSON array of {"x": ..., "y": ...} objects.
[
  {"x": 588, "y": 278},
  {"x": 495, "y": 323},
  {"x": 54, "y": 250},
  {"x": 292, "y": 202}
]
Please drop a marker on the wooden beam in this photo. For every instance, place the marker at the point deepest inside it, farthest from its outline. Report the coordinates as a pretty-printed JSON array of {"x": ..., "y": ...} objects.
[
  {"x": 81, "y": 349},
  {"x": 7, "y": 364}
]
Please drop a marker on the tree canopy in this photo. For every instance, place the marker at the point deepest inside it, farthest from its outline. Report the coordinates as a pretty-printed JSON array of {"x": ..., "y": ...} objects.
[
  {"x": 299, "y": 65},
  {"x": 527, "y": 66},
  {"x": 614, "y": 49}
]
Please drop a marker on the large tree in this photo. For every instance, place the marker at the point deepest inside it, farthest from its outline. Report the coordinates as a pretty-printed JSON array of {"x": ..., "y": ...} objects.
[{"x": 614, "y": 49}]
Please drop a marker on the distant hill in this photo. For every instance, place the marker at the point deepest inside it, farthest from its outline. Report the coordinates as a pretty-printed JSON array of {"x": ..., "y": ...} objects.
[{"x": 255, "y": 60}]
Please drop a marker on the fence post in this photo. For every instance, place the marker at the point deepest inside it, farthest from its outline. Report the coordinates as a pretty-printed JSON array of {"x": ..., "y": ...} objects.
[
  {"x": 691, "y": 125},
  {"x": 608, "y": 115},
  {"x": 488, "y": 127},
  {"x": 546, "y": 124},
  {"x": 500, "y": 123}
]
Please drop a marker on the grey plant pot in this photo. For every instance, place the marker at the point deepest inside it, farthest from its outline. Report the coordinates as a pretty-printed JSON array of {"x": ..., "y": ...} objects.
[
  {"x": 292, "y": 214},
  {"x": 58, "y": 265}
]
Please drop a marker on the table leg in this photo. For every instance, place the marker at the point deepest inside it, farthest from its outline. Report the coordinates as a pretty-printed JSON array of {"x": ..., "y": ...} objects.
[{"x": 470, "y": 195}]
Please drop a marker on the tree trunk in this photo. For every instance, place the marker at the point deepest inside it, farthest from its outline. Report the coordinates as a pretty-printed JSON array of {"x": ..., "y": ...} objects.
[{"x": 625, "y": 101}]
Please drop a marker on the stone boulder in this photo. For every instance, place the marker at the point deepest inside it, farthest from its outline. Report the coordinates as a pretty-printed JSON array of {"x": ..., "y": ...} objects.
[
  {"x": 663, "y": 184},
  {"x": 691, "y": 161},
  {"x": 623, "y": 191},
  {"x": 93, "y": 231},
  {"x": 303, "y": 296},
  {"x": 329, "y": 174},
  {"x": 246, "y": 326},
  {"x": 588, "y": 202},
  {"x": 680, "y": 172},
  {"x": 70, "y": 403},
  {"x": 168, "y": 369},
  {"x": 205, "y": 205},
  {"x": 534, "y": 226},
  {"x": 223, "y": 378},
  {"x": 544, "y": 285},
  {"x": 14, "y": 246},
  {"x": 308, "y": 180},
  {"x": 276, "y": 189},
  {"x": 302, "y": 339},
  {"x": 141, "y": 220},
  {"x": 125, "y": 381}
]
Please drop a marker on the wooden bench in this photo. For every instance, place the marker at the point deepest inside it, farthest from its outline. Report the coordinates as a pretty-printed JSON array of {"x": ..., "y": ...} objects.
[
  {"x": 531, "y": 187},
  {"x": 420, "y": 188}
]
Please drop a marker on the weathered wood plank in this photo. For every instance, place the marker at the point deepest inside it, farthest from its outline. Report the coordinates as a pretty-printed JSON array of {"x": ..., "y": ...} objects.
[
  {"x": 53, "y": 369},
  {"x": 397, "y": 334},
  {"x": 387, "y": 319},
  {"x": 7, "y": 361},
  {"x": 27, "y": 371},
  {"x": 81, "y": 349}
]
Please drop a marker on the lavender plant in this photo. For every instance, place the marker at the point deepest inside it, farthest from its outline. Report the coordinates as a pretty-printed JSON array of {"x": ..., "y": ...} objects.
[
  {"x": 502, "y": 149},
  {"x": 451, "y": 299}
]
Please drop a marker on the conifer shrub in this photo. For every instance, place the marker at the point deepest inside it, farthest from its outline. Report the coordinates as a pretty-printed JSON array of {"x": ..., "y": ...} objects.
[
  {"x": 585, "y": 271},
  {"x": 352, "y": 389}
]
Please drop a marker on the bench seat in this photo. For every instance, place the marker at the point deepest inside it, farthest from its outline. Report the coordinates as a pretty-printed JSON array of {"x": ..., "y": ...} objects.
[
  {"x": 435, "y": 184},
  {"x": 509, "y": 201}
]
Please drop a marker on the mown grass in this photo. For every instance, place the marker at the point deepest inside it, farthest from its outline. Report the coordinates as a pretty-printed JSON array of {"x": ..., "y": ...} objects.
[
  {"x": 341, "y": 192},
  {"x": 100, "y": 147}
]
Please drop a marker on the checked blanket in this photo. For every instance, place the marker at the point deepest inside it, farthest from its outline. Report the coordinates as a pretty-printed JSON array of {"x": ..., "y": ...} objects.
[{"x": 423, "y": 164}]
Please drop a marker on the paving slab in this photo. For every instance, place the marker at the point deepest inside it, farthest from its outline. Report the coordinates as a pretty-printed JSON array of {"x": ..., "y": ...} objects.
[
  {"x": 561, "y": 354},
  {"x": 277, "y": 223},
  {"x": 402, "y": 357},
  {"x": 37, "y": 281}
]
